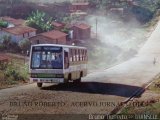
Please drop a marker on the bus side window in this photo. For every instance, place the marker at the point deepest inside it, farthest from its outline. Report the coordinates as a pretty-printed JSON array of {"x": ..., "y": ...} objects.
[
  {"x": 82, "y": 55},
  {"x": 79, "y": 53},
  {"x": 71, "y": 55},
  {"x": 74, "y": 55},
  {"x": 66, "y": 60},
  {"x": 85, "y": 55},
  {"x": 86, "y": 58}
]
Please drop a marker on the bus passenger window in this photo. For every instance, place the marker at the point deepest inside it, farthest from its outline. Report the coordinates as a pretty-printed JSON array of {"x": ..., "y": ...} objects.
[
  {"x": 43, "y": 62},
  {"x": 84, "y": 55},
  {"x": 74, "y": 55},
  {"x": 71, "y": 55},
  {"x": 77, "y": 55},
  {"x": 80, "y": 55}
]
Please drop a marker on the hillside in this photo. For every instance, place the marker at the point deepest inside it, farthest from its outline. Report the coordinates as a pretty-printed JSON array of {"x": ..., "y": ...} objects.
[{"x": 119, "y": 38}]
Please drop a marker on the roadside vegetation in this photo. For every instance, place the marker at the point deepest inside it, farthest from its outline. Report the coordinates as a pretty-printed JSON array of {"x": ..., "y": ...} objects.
[
  {"x": 148, "y": 103},
  {"x": 7, "y": 45},
  {"x": 155, "y": 86},
  {"x": 14, "y": 72},
  {"x": 3, "y": 24}
]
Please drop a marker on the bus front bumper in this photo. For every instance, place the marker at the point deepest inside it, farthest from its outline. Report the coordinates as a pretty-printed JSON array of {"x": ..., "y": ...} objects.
[{"x": 47, "y": 80}]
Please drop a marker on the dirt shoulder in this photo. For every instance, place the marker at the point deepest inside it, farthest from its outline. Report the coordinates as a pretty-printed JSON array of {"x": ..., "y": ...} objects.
[{"x": 147, "y": 103}]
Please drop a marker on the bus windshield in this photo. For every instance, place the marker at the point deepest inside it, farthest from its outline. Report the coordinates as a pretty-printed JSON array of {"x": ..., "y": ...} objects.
[{"x": 47, "y": 57}]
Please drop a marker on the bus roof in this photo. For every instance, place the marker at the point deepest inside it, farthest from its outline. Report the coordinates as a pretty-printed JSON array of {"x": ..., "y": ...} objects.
[{"x": 58, "y": 45}]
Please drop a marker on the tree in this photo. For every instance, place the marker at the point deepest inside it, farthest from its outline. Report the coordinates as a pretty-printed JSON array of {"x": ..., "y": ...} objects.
[
  {"x": 9, "y": 45},
  {"x": 3, "y": 24},
  {"x": 40, "y": 21},
  {"x": 7, "y": 41},
  {"x": 24, "y": 45}
]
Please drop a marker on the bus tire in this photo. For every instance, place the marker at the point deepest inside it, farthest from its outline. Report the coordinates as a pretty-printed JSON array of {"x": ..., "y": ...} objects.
[{"x": 39, "y": 85}]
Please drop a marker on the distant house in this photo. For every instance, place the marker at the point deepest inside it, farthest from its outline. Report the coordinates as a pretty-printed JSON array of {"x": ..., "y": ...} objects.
[
  {"x": 76, "y": 6},
  {"x": 51, "y": 37},
  {"x": 58, "y": 25},
  {"x": 13, "y": 22},
  {"x": 81, "y": 31},
  {"x": 18, "y": 33}
]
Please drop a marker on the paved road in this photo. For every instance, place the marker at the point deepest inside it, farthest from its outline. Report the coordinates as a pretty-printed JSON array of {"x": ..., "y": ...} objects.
[{"x": 99, "y": 92}]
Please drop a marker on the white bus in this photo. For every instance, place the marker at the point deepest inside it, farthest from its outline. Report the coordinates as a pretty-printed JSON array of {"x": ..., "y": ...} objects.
[{"x": 53, "y": 63}]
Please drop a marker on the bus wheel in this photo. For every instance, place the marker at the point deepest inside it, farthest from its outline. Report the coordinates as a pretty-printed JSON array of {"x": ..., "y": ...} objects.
[{"x": 39, "y": 84}]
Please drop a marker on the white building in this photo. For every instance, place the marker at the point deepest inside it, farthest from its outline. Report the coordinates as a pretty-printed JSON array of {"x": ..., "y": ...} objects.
[{"x": 18, "y": 33}]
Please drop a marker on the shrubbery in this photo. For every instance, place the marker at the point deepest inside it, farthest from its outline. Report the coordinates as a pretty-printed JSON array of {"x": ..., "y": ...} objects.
[
  {"x": 10, "y": 46},
  {"x": 142, "y": 14},
  {"x": 3, "y": 24},
  {"x": 10, "y": 74},
  {"x": 24, "y": 45}
]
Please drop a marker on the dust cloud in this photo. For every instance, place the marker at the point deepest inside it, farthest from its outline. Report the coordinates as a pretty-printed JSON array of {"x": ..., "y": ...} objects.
[{"x": 117, "y": 40}]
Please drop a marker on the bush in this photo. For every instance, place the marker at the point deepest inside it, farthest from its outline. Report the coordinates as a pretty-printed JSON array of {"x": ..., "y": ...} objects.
[
  {"x": 3, "y": 24},
  {"x": 9, "y": 45},
  {"x": 15, "y": 47},
  {"x": 142, "y": 14},
  {"x": 2, "y": 47},
  {"x": 24, "y": 45},
  {"x": 15, "y": 74},
  {"x": 2, "y": 76},
  {"x": 3, "y": 66}
]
